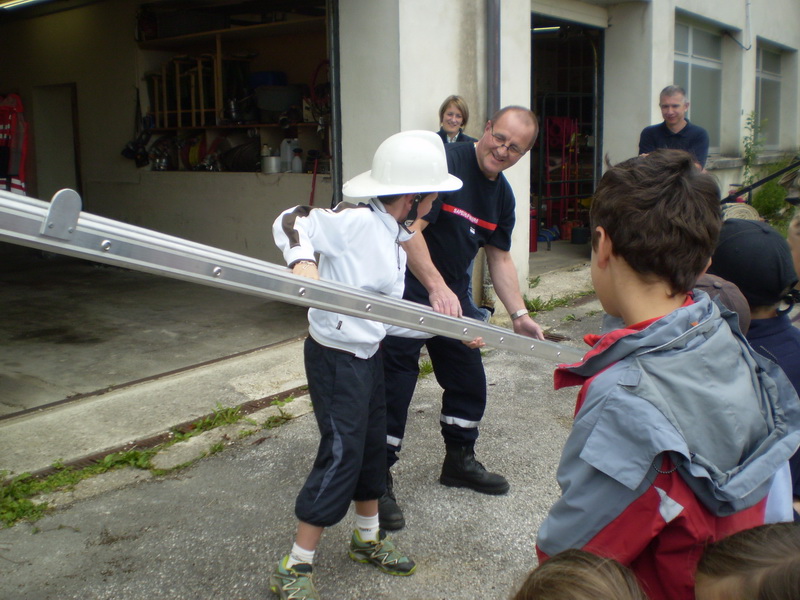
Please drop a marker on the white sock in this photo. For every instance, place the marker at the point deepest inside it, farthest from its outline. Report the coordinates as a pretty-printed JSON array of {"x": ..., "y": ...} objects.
[
  {"x": 368, "y": 527},
  {"x": 299, "y": 555}
]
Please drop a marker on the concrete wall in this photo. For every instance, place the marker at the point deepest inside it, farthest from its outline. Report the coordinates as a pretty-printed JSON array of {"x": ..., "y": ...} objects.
[
  {"x": 370, "y": 78},
  {"x": 234, "y": 212},
  {"x": 639, "y": 63},
  {"x": 401, "y": 59}
]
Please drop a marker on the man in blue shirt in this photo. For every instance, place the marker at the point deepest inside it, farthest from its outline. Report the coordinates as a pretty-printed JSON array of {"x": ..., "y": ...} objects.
[{"x": 676, "y": 131}]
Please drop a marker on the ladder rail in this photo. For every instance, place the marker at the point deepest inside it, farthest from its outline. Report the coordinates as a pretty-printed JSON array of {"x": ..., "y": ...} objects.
[{"x": 61, "y": 227}]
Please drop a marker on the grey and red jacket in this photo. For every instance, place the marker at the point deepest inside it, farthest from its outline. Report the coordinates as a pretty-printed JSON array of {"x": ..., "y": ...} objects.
[{"x": 679, "y": 429}]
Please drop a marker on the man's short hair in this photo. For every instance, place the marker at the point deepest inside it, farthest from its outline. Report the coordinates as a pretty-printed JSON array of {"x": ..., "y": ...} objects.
[
  {"x": 525, "y": 114},
  {"x": 673, "y": 90},
  {"x": 662, "y": 215}
]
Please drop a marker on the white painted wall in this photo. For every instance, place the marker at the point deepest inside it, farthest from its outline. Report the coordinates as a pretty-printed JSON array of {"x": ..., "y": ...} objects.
[
  {"x": 585, "y": 13},
  {"x": 515, "y": 88},
  {"x": 628, "y": 90},
  {"x": 420, "y": 52},
  {"x": 232, "y": 211},
  {"x": 639, "y": 63},
  {"x": 370, "y": 79}
]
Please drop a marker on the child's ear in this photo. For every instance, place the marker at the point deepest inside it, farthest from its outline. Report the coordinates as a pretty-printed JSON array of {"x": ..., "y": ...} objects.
[{"x": 604, "y": 247}]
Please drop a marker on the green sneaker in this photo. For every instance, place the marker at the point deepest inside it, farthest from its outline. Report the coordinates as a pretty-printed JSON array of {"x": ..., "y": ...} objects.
[
  {"x": 293, "y": 583},
  {"x": 382, "y": 554}
]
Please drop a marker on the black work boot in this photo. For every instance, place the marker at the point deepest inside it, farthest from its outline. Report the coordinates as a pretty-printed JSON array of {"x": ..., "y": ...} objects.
[
  {"x": 389, "y": 513},
  {"x": 461, "y": 469}
]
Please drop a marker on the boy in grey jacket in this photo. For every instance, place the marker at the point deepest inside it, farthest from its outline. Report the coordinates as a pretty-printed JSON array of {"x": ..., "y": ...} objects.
[{"x": 680, "y": 426}]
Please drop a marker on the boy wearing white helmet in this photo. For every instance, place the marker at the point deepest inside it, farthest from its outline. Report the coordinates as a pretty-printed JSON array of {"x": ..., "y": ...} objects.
[{"x": 359, "y": 246}]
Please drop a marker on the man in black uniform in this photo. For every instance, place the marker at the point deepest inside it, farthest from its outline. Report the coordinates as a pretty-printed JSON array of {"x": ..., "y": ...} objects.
[{"x": 481, "y": 214}]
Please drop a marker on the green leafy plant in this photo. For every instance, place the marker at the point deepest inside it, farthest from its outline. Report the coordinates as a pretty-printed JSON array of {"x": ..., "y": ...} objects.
[
  {"x": 283, "y": 402},
  {"x": 16, "y": 495},
  {"x": 222, "y": 416},
  {"x": 218, "y": 447},
  {"x": 769, "y": 199},
  {"x": 277, "y": 420},
  {"x": 753, "y": 144},
  {"x": 536, "y": 304},
  {"x": 425, "y": 368}
]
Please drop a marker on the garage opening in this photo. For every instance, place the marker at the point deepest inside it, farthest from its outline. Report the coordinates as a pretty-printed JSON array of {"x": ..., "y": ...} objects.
[{"x": 567, "y": 96}]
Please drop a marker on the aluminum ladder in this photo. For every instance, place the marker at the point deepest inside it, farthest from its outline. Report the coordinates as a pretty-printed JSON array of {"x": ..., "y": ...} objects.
[{"x": 61, "y": 227}]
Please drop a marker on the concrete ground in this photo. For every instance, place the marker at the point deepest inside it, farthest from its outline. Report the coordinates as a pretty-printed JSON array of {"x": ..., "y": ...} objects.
[
  {"x": 214, "y": 529},
  {"x": 96, "y": 358}
]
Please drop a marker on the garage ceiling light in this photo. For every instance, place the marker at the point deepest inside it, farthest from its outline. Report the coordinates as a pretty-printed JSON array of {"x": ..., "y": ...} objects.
[{"x": 15, "y": 3}]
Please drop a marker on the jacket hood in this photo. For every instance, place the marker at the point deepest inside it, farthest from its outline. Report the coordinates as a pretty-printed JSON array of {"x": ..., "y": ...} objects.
[{"x": 728, "y": 421}]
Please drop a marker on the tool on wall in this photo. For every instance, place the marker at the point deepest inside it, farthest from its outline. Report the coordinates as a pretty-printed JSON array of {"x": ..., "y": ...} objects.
[{"x": 62, "y": 227}]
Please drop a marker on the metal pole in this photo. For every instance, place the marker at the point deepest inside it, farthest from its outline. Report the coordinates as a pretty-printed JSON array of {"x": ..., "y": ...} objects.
[{"x": 332, "y": 12}]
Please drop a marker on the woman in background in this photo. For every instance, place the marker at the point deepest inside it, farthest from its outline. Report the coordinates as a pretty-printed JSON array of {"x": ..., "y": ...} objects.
[{"x": 453, "y": 117}]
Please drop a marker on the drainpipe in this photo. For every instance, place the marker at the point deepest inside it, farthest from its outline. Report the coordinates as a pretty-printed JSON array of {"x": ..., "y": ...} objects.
[
  {"x": 332, "y": 12},
  {"x": 492, "y": 56},
  {"x": 748, "y": 32},
  {"x": 492, "y": 105}
]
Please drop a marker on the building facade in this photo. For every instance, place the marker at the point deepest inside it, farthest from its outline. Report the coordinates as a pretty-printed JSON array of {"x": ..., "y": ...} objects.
[{"x": 596, "y": 63}]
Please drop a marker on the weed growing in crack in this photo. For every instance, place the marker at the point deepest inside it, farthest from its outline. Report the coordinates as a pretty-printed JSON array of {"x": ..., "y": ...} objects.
[
  {"x": 425, "y": 368},
  {"x": 16, "y": 495}
]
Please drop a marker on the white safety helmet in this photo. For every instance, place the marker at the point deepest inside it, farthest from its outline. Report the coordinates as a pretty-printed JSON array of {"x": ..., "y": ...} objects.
[{"x": 405, "y": 163}]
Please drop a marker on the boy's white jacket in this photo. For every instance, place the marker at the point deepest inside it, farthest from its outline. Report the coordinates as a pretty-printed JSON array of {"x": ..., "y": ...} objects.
[{"x": 358, "y": 245}]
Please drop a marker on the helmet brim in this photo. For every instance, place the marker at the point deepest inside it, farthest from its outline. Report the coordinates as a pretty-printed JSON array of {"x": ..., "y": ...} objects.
[{"x": 365, "y": 186}]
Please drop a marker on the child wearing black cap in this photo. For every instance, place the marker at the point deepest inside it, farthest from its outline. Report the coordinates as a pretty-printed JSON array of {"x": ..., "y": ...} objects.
[{"x": 758, "y": 260}]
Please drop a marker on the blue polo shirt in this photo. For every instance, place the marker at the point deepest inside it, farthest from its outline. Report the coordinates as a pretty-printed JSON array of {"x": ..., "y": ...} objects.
[
  {"x": 692, "y": 138},
  {"x": 462, "y": 221}
]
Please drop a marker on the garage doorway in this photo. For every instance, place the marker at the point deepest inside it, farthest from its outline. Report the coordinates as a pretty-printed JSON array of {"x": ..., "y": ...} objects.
[{"x": 567, "y": 96}]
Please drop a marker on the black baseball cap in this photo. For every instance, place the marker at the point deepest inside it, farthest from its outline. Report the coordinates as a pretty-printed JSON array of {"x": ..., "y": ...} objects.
[{"x": 757, "y": 259}]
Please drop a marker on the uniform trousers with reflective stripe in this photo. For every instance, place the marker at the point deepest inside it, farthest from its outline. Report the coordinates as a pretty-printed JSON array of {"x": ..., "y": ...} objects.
[
  {"x": 348, "y": 398},
  {"x": 458, "y": 369}
]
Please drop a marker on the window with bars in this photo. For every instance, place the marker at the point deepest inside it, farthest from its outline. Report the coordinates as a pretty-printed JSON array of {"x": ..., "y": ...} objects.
[
  {"x": 768, "y": 94},
  {"x": 698, "y": 69}
]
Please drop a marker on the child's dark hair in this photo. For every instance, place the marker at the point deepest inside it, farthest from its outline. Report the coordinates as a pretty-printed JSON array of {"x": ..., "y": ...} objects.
[
  {"x": 579, "y": 575},
  {"x": 662, "y": 215},
  {"x": 762, "y": 563}
]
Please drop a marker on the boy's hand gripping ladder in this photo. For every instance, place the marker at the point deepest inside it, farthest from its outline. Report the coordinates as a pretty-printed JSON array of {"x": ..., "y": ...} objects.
[{"x": 62, "y": 228}]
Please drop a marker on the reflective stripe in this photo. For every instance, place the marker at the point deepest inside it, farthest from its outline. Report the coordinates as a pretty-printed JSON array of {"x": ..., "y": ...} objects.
[
  {"x": 668, "y": 508},
  {"x": 460, "y": 212},
  {"x": 460, "y": 422},
  {"x": 393, "y": 441}
]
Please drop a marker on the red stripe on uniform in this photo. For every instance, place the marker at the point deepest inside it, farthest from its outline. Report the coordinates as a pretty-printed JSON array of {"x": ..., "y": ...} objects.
[{"x": 472, "y": 219}]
